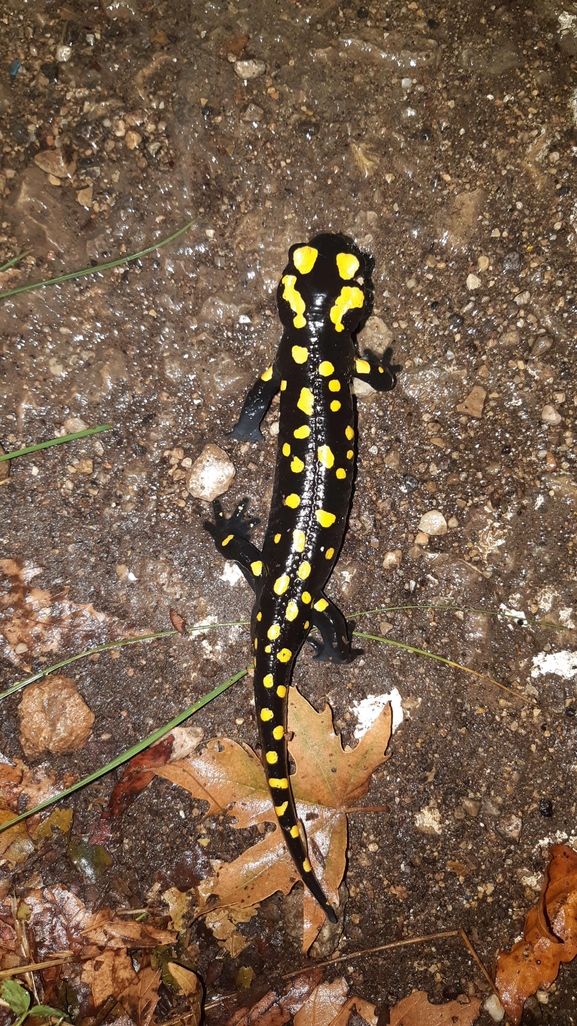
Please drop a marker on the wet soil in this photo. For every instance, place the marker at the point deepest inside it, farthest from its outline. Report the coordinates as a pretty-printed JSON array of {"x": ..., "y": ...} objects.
[{"x": 444, "y": 141}]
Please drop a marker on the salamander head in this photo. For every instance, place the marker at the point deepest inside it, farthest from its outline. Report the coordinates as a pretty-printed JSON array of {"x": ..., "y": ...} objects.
[{"x": 326, "y": 280}]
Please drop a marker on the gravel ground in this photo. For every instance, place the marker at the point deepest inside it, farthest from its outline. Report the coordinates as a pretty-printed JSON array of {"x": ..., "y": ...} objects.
[{"x": 444, "y": 141}]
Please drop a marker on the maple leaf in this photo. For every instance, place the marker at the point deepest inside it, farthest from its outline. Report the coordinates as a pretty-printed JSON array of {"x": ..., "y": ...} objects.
[
  {"x": 549, "y": 937},
  {"x": 327, "y": 780}
]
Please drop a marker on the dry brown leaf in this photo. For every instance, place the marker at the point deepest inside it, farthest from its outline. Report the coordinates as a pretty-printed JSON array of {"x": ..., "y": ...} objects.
[
  {"x": 273, "y": 1010},
  {"x": 179, "y": 907},
  {"x": 53, "y": 717},
  {"x": 232, "y": 780},
  {"x": 141, "y": 997},
  {"x": 323, "y": 1005},
  {"x": 223, "y": 923},
  {"x": 36, "y": 621},
  {"x": 416, "y": 1010},
  {"x": 549, "y": 937},
  {"x": 15, "y": 844},
  {"x": 188, "y": 981},
  {"x": 111, "y": 973}
]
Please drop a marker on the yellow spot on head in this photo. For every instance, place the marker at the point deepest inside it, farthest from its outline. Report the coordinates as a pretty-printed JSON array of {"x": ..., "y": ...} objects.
[
  {"x": 259, "y": 615},
  {"x": 299, "y": 540},
  {"x": 306, "y": 625},
  {"x": 300, "y": 354},
  {"x": 304, "y": 570},
  {"x": 349, "y": 432},
  {"x": 281, "y": 691},
  {"x": 267, "y": 375},
  {"x": 325, "y": 455},
  {"x": 362, "y": 367},
  {"x": 256, "y": 567},
  {"x": 306, "y": 401},
  {"x": 325, "y": 519},
  {"x": 286, "y": 449},
  {"x": 335, "y": 406},
  {"x": 297, "y": 465},
  {"x": 295, "y": 300},
  {"x": 281, "y": 809},
  {"x": 350, "y": 454},
  {"x": 350, "y": 298},
  {"x": 334, "y": 385},
  {"x": 283, "y": 385},
  {"x": 341, "y": 474},
  {"x": 292, "y": 500},
  {"x": 271, "y": 758},
  {"x": 329, "y": 553},
  {"x": 306, "y": 597},
  {"x": 273, "y": 632},
  {"x": 326, "y": 368},
  {"x": 302, "y": 432},
  {"x": 268, "y": 681},
  {"x": 268, "y": 648},
  {"x": 280, "y": 782},
  {"x": 348, "y": 265},
  {"x": 227, "y": 540},
  {"x": 284, "y": 655},
  {"x": 277, "y": 538},
  {"x": 294, "y": 831},
  {"x": 278, "y": 733},
  {"x": 304, "y": 258},
  {"x": 281, "y": 584},
  {"x": 266, "y": 715},
  {"x": 292, "y": 610},
  {"x": 307, "y": 868},
  {"x": 321, "y": 604}
]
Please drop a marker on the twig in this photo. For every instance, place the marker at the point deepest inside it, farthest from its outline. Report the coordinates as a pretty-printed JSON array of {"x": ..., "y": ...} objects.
[{"x": 33, "y": 967}]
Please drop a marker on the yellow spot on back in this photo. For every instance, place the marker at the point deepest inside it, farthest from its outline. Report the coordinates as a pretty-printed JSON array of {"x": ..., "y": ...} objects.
[
  {"x": 334, "y": 385},
  {"x": 271, "y": 758},
  {"x": 306, "y": 401},
  {"x": 259, "y": 615},
  {"x": 255, "y": 643},
  {"x": 300, "y": 354},
  {"x": 277, "y": 538},
  {"x": 325, "y": 519},
  {"x": 304, "y": 570},
  {"x": 299, "y": 540},
  {"x": 325, "y": 455},
  {"x": 304, "y": 258},
  {"x": 267, "y": 375},
  {"x": 321, "y": 605},
  {"x": 326, "y": 368},
  {"x": 256, "y": 567},
  {"x": 283, "y": 385},
  {"x": 268, "y": 648},
  {"x": 348, "y": 265},
  {"x": 280, "y": 782},
  {"x": 350, "y": 454},
  {"x": 362, "y": 367},
  {"x": 284, "y": 655},
  {"x": 295, "y": 300},
  {"x": 292, "y": 610},
  {"x": 281, "y": 809},
  {"x": 281, "y": 691},
  {"x": 273, "y": 632},
  {"x": 281, "y": 584},
  {"x": 306, "y": 597},
  {"x": 302, "y": 432},
  {"x": 329, "y": 553},
  {"x": 307, "y": 868},
  {"x": 266, "y": 714},
  {"x": 268, "y": 681},
  {"x": 292, "y": 500},
  {"x": 286, "y": 449},
  {"x": 350, "y": 298},
  {"x": 294, "y": 831},
  {"x": 335, "y": 405},
  {"x": 349, "y": 432},
  {"x": 341, "y": 474},
  {"x": 278, "y": 733},
  {"x": 297, "y": 465}
]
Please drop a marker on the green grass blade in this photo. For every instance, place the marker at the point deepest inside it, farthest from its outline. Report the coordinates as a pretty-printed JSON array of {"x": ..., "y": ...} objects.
[
  {"x": 131, "y": 752},
  {"x": 519, "y": 621},
  {"x": 98, "y": 268},
  {"x": 14, "y": 260},
  {"x": 55, "y": 441}
]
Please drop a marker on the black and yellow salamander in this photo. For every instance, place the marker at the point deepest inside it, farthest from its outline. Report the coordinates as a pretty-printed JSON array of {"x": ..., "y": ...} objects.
[{"x": 324, "y": 296}]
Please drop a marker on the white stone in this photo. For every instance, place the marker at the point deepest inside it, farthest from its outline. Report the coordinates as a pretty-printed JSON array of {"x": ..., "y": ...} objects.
[
  {"x": 433, "y": 522},
  {"x": 211, "y": 474}
]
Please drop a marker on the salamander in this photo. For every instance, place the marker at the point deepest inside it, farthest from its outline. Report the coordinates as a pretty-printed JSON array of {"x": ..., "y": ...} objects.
[{"x": 324, "y": 297}]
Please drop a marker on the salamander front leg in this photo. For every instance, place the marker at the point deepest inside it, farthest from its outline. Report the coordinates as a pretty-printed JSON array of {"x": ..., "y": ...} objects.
[
  {"x": 257, "y": 402},
  {"x": 232, "y": 538},
  {"x": 379, "y": 372},
  {"x": 335, "y": 631}
]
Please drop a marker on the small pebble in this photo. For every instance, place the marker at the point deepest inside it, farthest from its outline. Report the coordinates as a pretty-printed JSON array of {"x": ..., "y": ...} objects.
[
  {"x": 132, "y": 139},
  {"x": 483, "y": 263},
  {"x": 211, "y": 474},
  {"x": 249, "y": 69},
  {"x": 473, "y": 282},
  {"x": 53, "y": 163},
  {"x": 494, "y": 1007},
  {"x": 433, "y": 522},
  {"x": 473, "y": 404},
  {"x": 549, "y": 415},
  {"x": 392, "y": 559}
]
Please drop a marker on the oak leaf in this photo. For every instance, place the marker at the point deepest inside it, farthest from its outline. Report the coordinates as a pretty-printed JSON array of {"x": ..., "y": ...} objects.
[
  {"x": 549, "y": 937},
  {"x": 416, "y": 1010},
  {"x": 327, "y": 781}
]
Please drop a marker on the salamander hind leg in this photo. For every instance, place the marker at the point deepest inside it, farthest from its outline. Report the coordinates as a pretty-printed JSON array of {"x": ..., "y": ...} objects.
[
  {"x": 232, "y": 538},
  {"x": 335, "y": 631}
]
